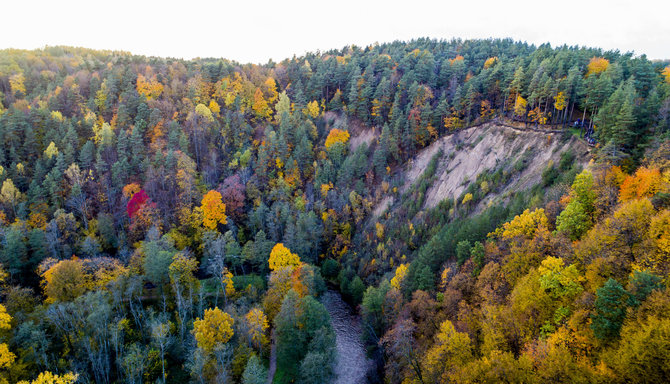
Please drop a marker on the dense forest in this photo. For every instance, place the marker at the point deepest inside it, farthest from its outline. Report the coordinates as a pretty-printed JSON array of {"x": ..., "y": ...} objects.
[{"x": 167, "y": 220}]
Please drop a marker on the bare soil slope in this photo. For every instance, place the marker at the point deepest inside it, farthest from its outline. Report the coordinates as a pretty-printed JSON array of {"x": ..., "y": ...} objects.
[{"x": 469, "y": 152}]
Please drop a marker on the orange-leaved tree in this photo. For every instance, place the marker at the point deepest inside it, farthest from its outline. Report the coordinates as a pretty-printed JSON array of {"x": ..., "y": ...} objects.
[
  {"x": 151, "y": 89},
  {"x": 666, "y": 74},
  {"x": 489, "y": 62},
  {"x": 130, "y": 189},
  {"x": 597, "y": 65},
  {"x": 644, "y": 183}
]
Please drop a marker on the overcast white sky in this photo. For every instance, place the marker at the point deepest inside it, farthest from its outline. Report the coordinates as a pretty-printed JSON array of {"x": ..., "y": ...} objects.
[{"x": 255, "y": 31}]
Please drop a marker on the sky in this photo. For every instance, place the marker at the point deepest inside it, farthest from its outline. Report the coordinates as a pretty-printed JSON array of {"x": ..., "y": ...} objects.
[{"x": 255, "y": 31}]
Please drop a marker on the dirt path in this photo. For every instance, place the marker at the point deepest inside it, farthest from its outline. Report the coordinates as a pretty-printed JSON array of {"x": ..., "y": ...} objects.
[{"x": 273, "y": 359}]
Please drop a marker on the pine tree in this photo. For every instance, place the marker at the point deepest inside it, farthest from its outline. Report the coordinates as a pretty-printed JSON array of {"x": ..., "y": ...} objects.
[
  {"x": 254, "y": 372},
  {"x": 87, "y": 155},
  {"x": 622, "y": 131},
  {"x": 610, "y": 310}
]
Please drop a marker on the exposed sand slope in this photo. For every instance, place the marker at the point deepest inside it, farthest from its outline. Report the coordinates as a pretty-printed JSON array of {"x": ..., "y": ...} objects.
[{"x": 472, "y": 151}]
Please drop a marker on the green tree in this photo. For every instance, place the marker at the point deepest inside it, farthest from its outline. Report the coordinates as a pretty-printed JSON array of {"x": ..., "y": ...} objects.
[
  {"x": 254, "y": 372},
  {"x": 14, "y": 252},
  {"x": 463, "y": 249},
  {"x": 317, "y": 365},
  {"x": 298, "y": 324},
  {"x": 558, "y": 280},
  {"x": 573, "y": 220},
  {"x": 357, "y": 290},
  {"x": 609, "y": 311},
  {"x": 373, "y": 311},
  {"x": 640, "y": 285}
]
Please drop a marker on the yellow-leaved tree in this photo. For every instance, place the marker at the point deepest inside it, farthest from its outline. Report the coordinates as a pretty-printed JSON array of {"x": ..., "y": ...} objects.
[
  {"x": 260, "y": 105},
  {"x": 214, "y": 329},
  {"x": 151, "y": 89},
  {"x": 467, "y": 198},
  {"x": 52, "y": 378},
  {"x": 520, "y": 106},
  {"x": 227, "y": 283},
  {"x": 451, "y": 350},
  {"x": 597, "y": 65},
  {"x": 257, "y": 324},
  {"x": 524, "y": 225},
  {"x": 214, "y": 107},
  {"x": 16, "y": 82},
  {"x": 489, "y": 62},
  {"x": 283, "y": 106},
  {"x": 658, "y": 260},
  {"x": 312, "y": 109},
  {"x": 269, "y": 89},
  {"x": 559, "y": 101},
  {"x": 282, "y": 257},
  {"x": 399, "y": 278},
  {"x": 204, "y": 113},
  {"x": 558, "y": 280},
  {"x": 65, "y": 280},
  {"x": 51, "y": 151},
  {"x": 336, "y": 136},
  {"x": 666, "y": 74},
  {"x": 213, "y": 210},
  {"x": 10, "y": 195},
  {"x": 6, "y": 357}
]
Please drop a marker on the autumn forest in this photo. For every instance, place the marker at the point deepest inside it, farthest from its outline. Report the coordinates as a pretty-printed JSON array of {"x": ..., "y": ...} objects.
[{"x": 486, "y": 211}]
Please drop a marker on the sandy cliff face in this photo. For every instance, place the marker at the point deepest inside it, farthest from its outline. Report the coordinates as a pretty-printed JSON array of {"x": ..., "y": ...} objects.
[{"x": 466, "y": 154}]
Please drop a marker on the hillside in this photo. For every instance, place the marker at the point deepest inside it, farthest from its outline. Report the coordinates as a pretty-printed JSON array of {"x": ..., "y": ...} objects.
[
  {"x": 464, "y": 155},
  {"x": 171, "y": 221}
]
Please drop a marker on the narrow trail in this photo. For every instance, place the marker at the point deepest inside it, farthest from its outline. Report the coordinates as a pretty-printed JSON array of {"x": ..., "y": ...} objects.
[{"x": 273, "y": 359}]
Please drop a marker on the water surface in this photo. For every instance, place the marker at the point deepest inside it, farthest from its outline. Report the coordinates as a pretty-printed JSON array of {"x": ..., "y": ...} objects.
[{"x": 352, "y": 364}]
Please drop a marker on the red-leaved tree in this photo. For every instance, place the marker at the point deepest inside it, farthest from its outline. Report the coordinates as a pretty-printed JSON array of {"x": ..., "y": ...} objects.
[{"x": 136, "y": 202}]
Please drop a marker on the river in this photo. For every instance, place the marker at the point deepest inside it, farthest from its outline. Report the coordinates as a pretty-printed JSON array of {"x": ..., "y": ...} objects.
[{"x": 352, "y": 364}]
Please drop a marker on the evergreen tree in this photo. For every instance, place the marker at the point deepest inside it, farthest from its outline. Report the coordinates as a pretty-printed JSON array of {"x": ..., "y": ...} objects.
[{"x": 610, "y": 311}]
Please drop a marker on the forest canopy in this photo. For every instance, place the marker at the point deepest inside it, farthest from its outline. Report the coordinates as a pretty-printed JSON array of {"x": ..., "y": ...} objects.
[{"x": 166, "y": 220}]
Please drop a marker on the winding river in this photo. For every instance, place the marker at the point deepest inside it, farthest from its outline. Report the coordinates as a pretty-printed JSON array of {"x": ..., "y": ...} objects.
[{"x": 352, "y": 364}]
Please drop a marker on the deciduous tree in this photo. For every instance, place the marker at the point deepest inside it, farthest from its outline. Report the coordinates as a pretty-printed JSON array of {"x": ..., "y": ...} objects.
[
  {"x": 281, "y": 257},
  {"x": 213, "y": 209},
  {"x": 214, "y": 329},
  {"x": 257, "y": 324}
]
